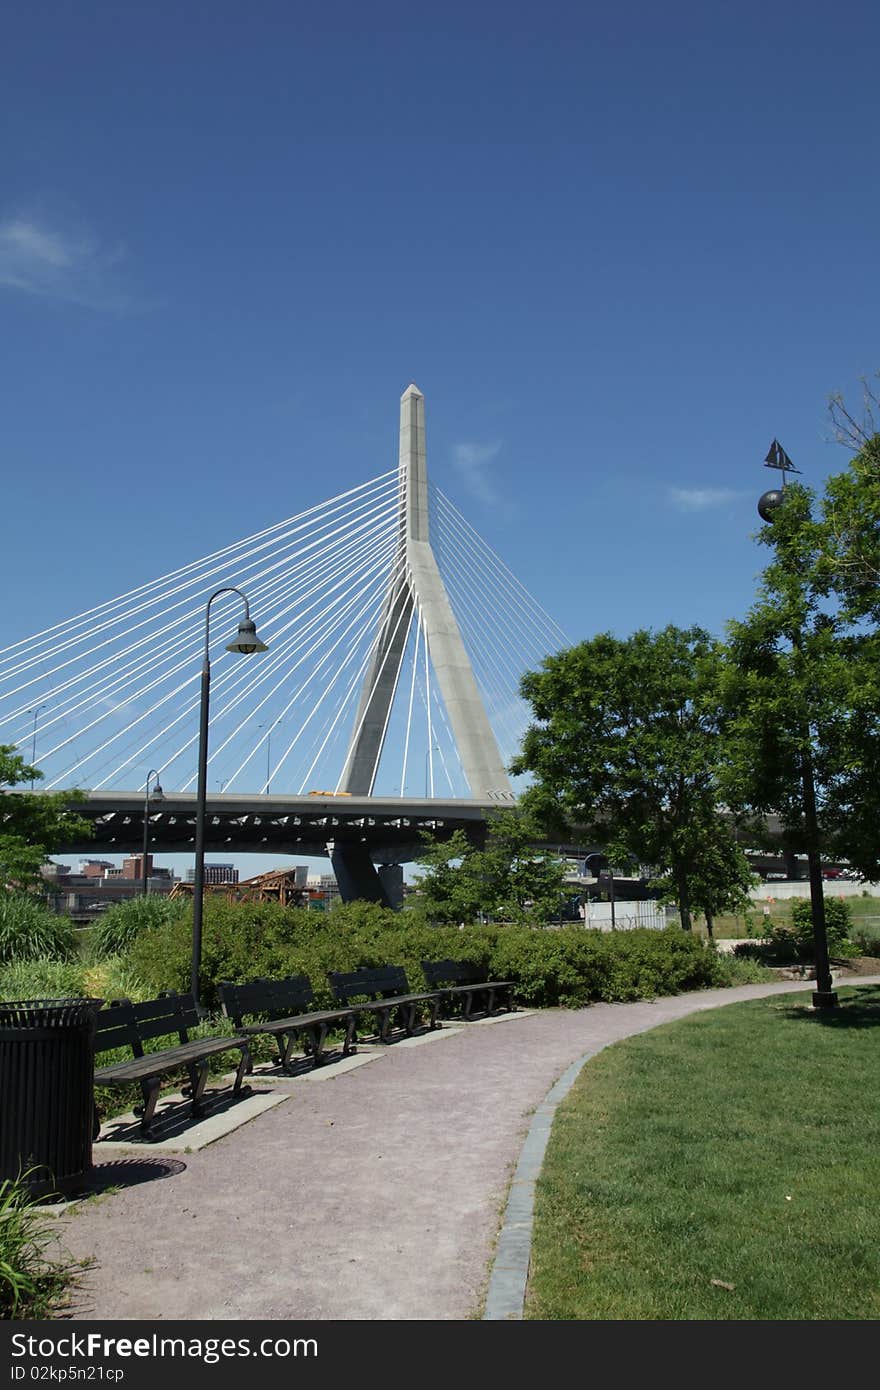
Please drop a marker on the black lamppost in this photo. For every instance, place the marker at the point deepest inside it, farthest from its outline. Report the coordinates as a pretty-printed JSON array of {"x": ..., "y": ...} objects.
[
  {"x": 604, "y": 875},
  {"x": 246, "y": 642},
  {"x": 824, "y": 996},
  {"x": 606, "y": 883},
  {"x": 156, "y": 795}
]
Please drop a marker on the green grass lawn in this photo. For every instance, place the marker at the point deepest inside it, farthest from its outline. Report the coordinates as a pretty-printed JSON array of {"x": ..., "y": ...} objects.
[
  {"x": 754, "y": 922},
  {"x": 740, "y": 1146}
]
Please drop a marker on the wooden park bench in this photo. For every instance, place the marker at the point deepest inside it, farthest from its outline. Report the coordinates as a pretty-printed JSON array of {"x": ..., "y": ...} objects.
[
  {"x": 285, "y": 1010},
  {"x": 124, "y": 1024},
  {"x": 466, "y": 982},
  {"x": 384, "y": 991}
]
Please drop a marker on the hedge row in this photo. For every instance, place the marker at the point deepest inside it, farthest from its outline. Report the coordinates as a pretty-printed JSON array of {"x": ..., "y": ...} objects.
[{"x": 568, "y": 966}]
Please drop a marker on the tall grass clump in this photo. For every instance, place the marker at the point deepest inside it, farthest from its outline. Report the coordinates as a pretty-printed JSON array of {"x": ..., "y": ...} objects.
[
  {"x": 29, "y": 930},
  {"x": 42, "y": 979},
  {"x": 31, "y": 1284},
  {"x": 123, "y": 923}
]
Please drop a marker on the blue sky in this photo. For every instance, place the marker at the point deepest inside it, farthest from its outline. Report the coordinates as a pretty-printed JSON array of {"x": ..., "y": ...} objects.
[{"x": 618, "y": 252}]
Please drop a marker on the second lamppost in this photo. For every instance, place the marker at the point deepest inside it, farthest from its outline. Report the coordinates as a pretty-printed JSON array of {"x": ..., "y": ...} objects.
[
  {"x": 155, "y": 795},
  {"x": 246, "y": 642}
]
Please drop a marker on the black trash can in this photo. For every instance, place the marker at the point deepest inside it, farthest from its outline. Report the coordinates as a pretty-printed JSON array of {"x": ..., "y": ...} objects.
[{"x": 47, "y": 1069}]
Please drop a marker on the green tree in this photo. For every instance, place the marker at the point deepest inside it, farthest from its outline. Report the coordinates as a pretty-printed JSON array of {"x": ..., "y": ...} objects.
[
  {"x": 721, "y": 877},
  {"x": 32, "y": 825},
  {"x": 848, "y": 559},
  {"x": 510, "y": 879},
  {"x": 626, "y": 747},
  {"x": 802, "y": 691}
]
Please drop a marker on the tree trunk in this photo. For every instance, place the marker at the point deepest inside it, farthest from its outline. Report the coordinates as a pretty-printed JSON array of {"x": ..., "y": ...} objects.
[
  {"x": 710, "y": 921},
  {"x": 684, "y": 903}
]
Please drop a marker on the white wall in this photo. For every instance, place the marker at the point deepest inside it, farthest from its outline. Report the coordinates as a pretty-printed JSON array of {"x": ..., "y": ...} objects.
[{"x": 797, "y": 888}]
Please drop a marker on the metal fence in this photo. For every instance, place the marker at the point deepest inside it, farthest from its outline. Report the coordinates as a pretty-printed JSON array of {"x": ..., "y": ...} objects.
[{"x": 627, "y": 915}]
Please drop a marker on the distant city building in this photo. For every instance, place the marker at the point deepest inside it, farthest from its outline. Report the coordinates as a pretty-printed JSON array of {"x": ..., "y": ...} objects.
[
  {"x": 215, "y": 873},
  {"x": 98, "y": 884},
  {"x": 94, "y": 868},
  {"x": 326, "y": 885},
  {"x": 133, "y": 866}
]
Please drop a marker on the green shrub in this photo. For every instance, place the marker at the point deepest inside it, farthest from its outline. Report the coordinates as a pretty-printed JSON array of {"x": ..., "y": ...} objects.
[
  {"x": 42, "y": 979},
  {"x": 838, "y": 920},
  {"x": 741, "y": 970},
  {"x": 866, "y": 938},
  {"x": 29, "y": 930},
  {"x": 123, "y": 922},
  {"x": 241, "y": 941},
  {"x": 568, "y": 966},
  {"x": 573, "y": 965}
]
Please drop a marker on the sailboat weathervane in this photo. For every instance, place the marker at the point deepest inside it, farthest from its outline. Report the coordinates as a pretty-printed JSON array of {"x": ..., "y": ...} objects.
[{"x": 778, "y": 458}]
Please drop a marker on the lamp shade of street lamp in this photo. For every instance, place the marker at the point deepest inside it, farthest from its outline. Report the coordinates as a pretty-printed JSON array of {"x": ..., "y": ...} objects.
[{"x": 246, "y": 640}]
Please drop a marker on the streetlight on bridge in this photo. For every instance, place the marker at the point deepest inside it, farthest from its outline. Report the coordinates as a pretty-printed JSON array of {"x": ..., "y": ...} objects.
[
  {"x": 35, "y": 711},
  {"x": 270, "y": 727},
  {"x": 157, "y": 795},
  {"x": 246, "y": 642}
]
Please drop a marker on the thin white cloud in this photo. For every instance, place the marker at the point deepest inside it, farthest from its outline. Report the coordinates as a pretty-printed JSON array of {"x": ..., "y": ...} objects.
[
  {"x": 61, "y": 263},
  {"x": 700, "y": 499},
  {"x": 473, "y": 462}
]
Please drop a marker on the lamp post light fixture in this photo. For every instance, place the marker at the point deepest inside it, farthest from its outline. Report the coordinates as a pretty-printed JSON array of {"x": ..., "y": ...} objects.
[
  {"x": 156, "y": 795},
  {"x": 824, "y": 996},
  {"x": 246, "y": 642}
]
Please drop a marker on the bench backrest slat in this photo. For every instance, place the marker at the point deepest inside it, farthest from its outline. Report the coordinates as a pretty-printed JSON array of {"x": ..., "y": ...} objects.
[
  {"x": 270, "y": 998},
  {"x": 170, "y": 1013},
  {"x": 372, "y": 982},
  {"x": 124, "y": 1024},
  {"x": 453, "y": 972},
  {"x": 115, "y": 1027}
]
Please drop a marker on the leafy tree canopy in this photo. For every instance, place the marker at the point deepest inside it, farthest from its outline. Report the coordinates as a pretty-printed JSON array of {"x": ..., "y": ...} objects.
[
  {"x": 802, "y": 684},
  {"x": 626, "y": 746},
  {"x": 509, "y": 879},
  {"x": 33, "y": 824}
]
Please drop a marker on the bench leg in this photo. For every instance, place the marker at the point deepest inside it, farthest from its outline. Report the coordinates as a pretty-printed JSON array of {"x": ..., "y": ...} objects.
[
  {"x": 319, "y": 1037},
  {"x": 245, "y": 1066},
  {"x": 490, "y": 1002},
  {"x": 385, "y": 1024},
  {"x": 433, "y": 1006},
  {"x": 198, "y": 1079},
  {"x": 285, "y": 1047},
  {"x": 150, "y": 1093},
  {"x": 349, "y": 1045},
  {"x": 468, "y": 1006}
]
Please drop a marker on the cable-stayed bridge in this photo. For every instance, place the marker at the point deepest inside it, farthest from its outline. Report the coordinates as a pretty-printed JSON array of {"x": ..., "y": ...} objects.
[{"x": 396, "y": 641}]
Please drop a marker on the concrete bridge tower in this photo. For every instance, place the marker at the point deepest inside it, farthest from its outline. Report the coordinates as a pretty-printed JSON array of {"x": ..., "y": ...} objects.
[{"x": 416, "y": 584}]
